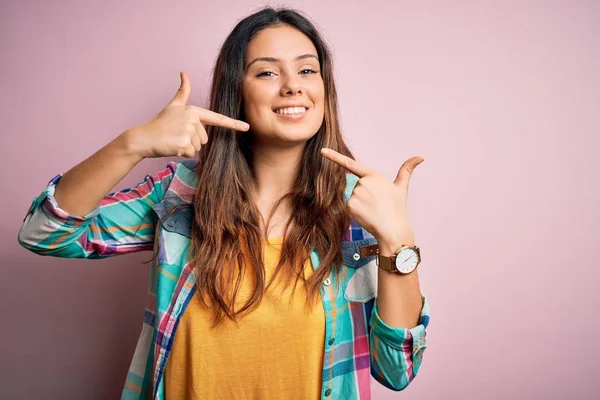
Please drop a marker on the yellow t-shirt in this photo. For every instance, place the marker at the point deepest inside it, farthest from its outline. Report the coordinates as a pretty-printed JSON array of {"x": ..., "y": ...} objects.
[{"x": 275, "y": 351}]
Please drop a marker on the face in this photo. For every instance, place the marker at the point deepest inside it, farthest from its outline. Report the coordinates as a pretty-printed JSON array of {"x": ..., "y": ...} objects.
[{"x": 283, "y": 91}]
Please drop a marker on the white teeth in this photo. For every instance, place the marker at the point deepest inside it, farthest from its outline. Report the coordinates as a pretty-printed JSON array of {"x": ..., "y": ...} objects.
[{"x": 291, "y": 110}]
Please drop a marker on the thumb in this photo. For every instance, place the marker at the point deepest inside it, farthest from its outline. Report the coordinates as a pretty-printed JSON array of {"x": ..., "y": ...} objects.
[
  {"x": 183, "y": 93},
  {"x": 405, "y": 172}
]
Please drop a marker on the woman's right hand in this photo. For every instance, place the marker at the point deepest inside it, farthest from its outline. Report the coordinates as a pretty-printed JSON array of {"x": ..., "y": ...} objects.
[{"x": 177, "y": 130}]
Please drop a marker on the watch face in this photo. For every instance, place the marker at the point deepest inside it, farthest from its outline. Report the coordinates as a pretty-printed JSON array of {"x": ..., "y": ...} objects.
[{"x": 407, "y": 260}]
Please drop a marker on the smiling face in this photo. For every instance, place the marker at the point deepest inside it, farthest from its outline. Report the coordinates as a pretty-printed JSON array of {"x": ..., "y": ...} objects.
[{"x": 283, "y": 90}]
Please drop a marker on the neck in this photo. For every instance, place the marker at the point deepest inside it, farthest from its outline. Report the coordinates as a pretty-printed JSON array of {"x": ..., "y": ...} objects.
[{"x": 275, "y": 169}]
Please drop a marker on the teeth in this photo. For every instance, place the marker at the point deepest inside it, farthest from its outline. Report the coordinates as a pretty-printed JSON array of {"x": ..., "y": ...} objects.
[{"x": 291, "y": 110}]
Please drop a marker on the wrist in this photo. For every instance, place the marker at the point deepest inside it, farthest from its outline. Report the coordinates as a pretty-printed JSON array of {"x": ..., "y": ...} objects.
[
  {"x": 127, "y": 142},
  {"x": 390, "y": 246}
]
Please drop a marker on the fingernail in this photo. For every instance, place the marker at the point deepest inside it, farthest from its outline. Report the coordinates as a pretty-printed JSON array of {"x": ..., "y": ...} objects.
[{"x": 245, "y": 126}]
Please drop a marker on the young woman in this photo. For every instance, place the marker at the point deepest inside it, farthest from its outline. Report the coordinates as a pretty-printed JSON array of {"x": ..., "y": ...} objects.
[{"x": 283, "y": 268}]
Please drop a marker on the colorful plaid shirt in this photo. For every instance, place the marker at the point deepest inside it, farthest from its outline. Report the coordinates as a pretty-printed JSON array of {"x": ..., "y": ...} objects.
[{"x": 358, "y": 344}]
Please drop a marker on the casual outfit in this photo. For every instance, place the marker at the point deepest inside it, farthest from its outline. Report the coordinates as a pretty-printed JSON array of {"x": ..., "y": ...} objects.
[
  {"x": 222, "y": 361},
  {"x": 282, "y": 349}
]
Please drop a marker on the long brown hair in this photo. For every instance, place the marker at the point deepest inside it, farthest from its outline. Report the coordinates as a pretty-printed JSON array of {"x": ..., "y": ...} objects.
[{"x": 226, "y": 233}]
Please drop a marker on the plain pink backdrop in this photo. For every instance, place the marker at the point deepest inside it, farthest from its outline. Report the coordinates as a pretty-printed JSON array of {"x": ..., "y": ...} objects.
[{"x": 502, "y": 99}]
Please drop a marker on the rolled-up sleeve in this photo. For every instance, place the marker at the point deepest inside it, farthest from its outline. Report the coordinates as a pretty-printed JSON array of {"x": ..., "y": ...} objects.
[
  {"x": 121, "y": 223},
  {"x": 396, "y": 353}
]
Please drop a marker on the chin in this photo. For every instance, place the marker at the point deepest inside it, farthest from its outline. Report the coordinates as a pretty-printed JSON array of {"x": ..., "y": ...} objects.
[
  {"x": 295, "y": 135},
  {"x": 286, "y": 135}
]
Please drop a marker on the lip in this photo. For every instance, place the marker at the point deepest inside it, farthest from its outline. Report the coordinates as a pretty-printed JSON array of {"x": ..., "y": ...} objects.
[
  {"x": 290, "y": 105},
  {"x": 292, "y": 117}
]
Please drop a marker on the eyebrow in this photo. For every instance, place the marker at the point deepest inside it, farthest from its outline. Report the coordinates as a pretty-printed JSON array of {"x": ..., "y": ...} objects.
[{"x": 273, "y": 59}]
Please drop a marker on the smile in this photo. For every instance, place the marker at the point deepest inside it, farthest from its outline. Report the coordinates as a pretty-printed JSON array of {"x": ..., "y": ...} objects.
[
  {"x": 291, "y": 110},
  {"x": 291, "y": 113}
]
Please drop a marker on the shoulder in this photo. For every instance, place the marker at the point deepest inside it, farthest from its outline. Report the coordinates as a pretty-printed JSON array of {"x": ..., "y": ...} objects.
[
  {"x": 355, "y": 231},
  {"x": 181, "y": 189},
  {"x": 351, "y": 181},
  {"x": 188, "y": 164},
  {"x": 185, "y": 178},
  {"x": 185, "y": 172}
]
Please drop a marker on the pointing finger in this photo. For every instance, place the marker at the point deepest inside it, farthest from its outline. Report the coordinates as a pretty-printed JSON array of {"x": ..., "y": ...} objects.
[
  {"x": 212, "y": 118},
  {"x": 349, "y": 164}
]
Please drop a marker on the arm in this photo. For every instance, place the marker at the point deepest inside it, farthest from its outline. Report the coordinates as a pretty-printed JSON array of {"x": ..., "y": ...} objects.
[
  {"x": 75, "y": 218},
  {"x": 81, "y": 188},
  {"x": 396, "y": 353},
  {"x": 398, "y": 322},
  {"x": 380, "y": 208}
]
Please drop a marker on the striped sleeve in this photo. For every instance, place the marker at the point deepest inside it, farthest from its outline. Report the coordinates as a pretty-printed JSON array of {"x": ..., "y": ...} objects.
[
  {"x": 122, "y": 222},
  {"x": 396, "y": 353}
]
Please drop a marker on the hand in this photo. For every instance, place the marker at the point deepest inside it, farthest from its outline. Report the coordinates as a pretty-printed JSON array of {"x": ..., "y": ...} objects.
[
  {"x": 177, "y": 130},
  {"x": 377, "y": 204}
]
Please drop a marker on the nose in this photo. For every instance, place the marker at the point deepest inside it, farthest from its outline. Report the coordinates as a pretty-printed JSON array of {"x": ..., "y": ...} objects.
[{"x": 291, "y": 86}]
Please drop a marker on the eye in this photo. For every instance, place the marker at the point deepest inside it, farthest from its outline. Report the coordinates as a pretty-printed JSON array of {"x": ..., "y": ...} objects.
[
  {"x": 308, "y": 71},
  {"x": 267, "y": 73}
]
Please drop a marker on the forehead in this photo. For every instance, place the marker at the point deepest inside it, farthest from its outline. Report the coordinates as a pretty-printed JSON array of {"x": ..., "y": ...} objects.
[{"x": 282, "y": 42}]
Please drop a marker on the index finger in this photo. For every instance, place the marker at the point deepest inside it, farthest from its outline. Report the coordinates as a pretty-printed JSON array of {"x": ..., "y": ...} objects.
[
  {"x": 351, "y": 165},
  {"x": 212, "y": 118}
]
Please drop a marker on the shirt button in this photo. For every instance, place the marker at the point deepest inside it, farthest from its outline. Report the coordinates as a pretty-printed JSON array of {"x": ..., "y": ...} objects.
[
  {"x": 356, "y": 256},
  {"x": 171, "y": 223},
  {"x": 328, "y": 392},
  {"x": 331, "y": 341},
  {"x": 327, "y": 282}
]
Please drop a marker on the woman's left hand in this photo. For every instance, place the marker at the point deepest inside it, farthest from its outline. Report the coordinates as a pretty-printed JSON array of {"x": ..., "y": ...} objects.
[{"x": 377, "y": 204}]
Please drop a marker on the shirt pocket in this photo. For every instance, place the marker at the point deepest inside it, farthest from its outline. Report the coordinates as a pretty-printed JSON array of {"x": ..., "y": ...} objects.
[
  {"x": 174, "y": 231},
  {"x": 362, "y": 285},
  {"x": 175, "y": 220}
]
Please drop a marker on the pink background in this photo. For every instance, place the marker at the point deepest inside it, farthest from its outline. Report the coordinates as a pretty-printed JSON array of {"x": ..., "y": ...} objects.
[{"x": 502, "y": 99}]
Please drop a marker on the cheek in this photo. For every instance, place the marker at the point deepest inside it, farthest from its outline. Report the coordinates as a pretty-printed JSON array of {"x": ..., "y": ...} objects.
[
  {"x": 256, "y": 99},
  {"x": 319, "y": 99},
  {"x": 318, "y": 94},
  {"x": 251, "y": 110}
]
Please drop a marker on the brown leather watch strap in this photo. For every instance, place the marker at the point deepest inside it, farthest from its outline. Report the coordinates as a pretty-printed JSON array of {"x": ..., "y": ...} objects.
[
  {"x": 371, "y": 250},
  {"x": 386, "y": 263}
]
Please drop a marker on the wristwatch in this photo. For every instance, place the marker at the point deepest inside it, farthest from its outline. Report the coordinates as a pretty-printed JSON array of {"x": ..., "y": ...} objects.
[{"x": 403, "y": 262}]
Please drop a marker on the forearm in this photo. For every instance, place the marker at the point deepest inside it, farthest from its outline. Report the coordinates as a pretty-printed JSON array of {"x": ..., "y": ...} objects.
[
  {"x": 81, "y": 188},
  {"x": 398, "y": 296}
]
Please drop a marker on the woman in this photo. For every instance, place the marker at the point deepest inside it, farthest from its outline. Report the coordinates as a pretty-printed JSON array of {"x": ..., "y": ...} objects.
[{"x": 272, "y": 276}]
